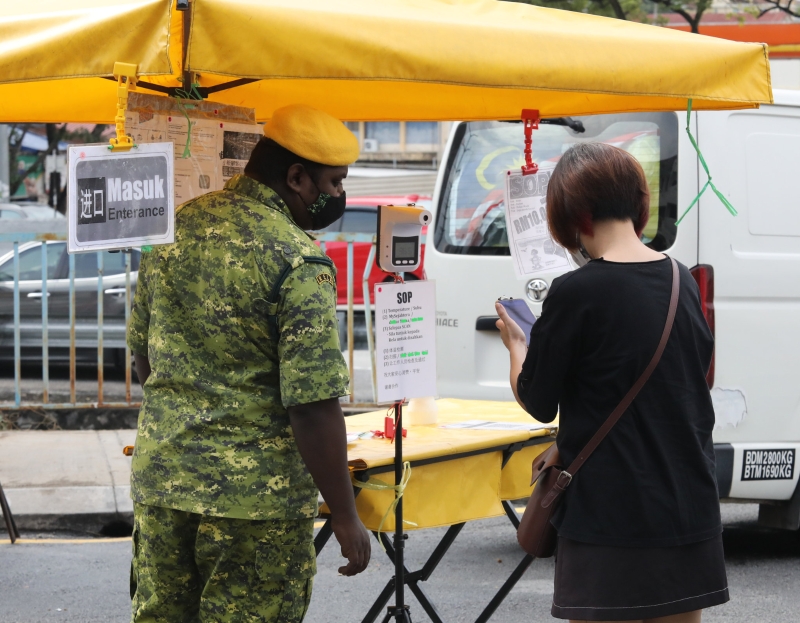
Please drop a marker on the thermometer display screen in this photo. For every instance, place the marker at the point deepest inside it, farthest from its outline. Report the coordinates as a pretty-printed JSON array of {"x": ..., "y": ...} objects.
[{"x": 405, "y": 250}]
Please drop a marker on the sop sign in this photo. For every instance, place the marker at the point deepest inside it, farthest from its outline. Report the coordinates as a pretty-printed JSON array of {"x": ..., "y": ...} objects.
[
  {"x": 120, "y": 200},
  {"x": 405, "y": 340}
]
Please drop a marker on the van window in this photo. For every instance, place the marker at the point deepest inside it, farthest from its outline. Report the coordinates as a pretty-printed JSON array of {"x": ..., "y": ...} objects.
[
  {"x": 360, "y": 221},
  {"x": 471, "y": 211}
]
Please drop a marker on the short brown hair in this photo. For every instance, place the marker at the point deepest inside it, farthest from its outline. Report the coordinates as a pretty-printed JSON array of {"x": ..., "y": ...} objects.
[{"x": 595, "y": 182}]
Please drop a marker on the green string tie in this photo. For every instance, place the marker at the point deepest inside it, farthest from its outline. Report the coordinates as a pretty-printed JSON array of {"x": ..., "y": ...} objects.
[
  {"x": 377, "y": 485},
  {"x": 708, "y": 183},
  {"x": 191, "y": 94},
  {"x": 187, "y": 152}
]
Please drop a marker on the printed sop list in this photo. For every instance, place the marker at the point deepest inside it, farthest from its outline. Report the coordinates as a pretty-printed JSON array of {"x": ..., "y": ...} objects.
[{"x": 405, "y": 340}]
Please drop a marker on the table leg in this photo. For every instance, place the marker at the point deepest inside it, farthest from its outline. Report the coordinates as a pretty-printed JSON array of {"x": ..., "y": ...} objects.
[
  {"x": 380, "y": 603},
  {"x": 11, "y": 525},
  {"x": 413, "y": 578},
  {"x": 488, "y": 611},
  {"x": 511, "y": 512},
  {"x": 323, "y": 535}
]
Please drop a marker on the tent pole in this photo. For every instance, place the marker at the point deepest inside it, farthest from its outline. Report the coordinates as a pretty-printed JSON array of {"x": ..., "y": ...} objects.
[{"x": 186, "y": 15}]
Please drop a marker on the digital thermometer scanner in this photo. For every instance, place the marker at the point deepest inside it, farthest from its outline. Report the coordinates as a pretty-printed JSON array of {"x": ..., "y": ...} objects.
[{"x": 399, "y": 232}]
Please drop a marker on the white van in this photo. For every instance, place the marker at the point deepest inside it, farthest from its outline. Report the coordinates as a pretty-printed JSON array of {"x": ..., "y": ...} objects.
[{"x": 748, "y": 268}]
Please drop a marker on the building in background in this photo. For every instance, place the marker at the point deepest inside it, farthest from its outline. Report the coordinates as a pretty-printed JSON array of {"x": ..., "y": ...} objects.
[{"x": 401, "y": 144}]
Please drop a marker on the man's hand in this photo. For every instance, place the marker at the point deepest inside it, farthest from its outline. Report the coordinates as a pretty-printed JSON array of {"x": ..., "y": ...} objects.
[
  {"x": 142, "y": 368},
  {"x": 354, "y": 541},
  {"x": 321, "y": 438}
]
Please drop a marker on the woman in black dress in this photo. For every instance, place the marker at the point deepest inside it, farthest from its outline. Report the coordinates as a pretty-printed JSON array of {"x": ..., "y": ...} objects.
[{"x": 639, "y": 529}]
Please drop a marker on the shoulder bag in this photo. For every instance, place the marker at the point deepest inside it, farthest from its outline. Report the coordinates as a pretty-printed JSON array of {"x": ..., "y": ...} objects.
[{"x": 536, "y": 535}]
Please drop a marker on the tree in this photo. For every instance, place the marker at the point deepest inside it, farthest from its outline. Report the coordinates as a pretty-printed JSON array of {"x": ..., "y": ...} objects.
[
  {"x": 787, "y": 6},
  {"x": 55, "y": 134},
  {"x": 692, "y": 12},
  {"x": 621, "y": 9},
  {"x": 634, "y": 10}
]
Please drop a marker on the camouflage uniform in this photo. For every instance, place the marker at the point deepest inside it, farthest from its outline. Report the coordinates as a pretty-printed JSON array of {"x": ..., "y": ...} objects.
[
  {"x": 223, "y": 569},
  {"x": 229, "y": 352}
]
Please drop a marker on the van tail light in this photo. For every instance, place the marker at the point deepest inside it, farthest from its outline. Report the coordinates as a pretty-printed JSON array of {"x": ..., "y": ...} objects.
[{"x": 704, "y": 276}]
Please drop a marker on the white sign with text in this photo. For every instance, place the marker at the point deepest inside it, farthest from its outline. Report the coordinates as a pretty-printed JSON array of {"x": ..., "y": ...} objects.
[
  {"x": 533, "y": 249},
  {"x": 405, "y": 340},
  {"x": 118, "y": 200}
]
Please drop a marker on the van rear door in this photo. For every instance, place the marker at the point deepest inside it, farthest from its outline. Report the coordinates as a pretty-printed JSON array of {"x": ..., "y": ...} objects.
[{"x": 756, "y": 259}]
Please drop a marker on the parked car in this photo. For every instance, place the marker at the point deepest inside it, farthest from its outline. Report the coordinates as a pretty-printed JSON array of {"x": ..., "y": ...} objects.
[
  {"x": 361, "y": 217},
  {"x": 86, "y": 283}
]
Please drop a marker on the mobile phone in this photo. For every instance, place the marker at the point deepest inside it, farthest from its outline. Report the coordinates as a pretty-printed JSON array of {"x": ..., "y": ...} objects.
[{"x": 520, "y": 313}]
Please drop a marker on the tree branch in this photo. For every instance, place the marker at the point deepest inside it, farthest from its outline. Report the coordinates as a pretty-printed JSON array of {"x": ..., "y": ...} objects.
[
  {"x": 777, "y": 6},
  {"x": 617, "y": 8}
]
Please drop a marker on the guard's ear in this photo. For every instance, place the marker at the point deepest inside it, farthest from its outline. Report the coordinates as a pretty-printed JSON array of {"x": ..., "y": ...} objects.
[{"x": 297, "y": 178}]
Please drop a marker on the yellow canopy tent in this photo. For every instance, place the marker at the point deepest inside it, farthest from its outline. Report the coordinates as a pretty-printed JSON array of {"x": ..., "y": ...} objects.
[{"x": 364, "y": 59}]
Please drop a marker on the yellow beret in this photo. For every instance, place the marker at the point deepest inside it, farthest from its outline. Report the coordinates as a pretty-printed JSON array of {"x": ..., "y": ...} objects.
[{"x": 312, "y": 134}]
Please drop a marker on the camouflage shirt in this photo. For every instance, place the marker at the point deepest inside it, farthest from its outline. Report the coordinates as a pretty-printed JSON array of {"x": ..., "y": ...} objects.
[{"x": 214, "y": 434}]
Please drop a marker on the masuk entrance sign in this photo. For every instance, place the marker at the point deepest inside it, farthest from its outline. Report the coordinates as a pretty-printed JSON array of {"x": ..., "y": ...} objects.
[{"x": 118, "y": 200}]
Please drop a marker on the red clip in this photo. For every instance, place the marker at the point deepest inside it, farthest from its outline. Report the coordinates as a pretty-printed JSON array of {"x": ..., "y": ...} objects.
[
  {"x": 389, "y": 428},
  {"x": 530, "y": 120}
]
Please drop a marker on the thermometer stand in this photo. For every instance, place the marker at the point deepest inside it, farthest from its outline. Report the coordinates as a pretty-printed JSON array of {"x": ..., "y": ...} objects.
[{"x": 400, "y": 612}]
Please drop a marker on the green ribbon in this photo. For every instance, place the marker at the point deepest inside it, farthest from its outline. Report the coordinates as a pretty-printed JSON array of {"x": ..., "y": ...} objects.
[
  {"x": 377, "y": 485},
  {"x": 708, "y": 183}
]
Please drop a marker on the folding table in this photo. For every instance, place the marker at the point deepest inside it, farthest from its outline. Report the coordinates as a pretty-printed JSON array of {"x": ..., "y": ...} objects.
[{"x": 457, "y": 475}]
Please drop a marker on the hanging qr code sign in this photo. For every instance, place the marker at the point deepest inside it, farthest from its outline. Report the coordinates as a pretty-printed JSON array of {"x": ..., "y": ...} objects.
[
  {"x": 405, "y": 340},
  {"x": 118, "y": 200}
]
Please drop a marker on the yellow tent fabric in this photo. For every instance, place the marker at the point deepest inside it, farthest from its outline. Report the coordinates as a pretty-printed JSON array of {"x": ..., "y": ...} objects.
[{"x": 368, "y": 59}]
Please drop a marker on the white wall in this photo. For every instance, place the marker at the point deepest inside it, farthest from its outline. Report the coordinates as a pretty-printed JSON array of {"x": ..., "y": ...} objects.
[{"x": 785, "y": 73}]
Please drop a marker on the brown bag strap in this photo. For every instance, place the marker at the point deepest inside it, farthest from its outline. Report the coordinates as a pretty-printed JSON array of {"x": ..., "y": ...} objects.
[{"x": 628, "y": 399}]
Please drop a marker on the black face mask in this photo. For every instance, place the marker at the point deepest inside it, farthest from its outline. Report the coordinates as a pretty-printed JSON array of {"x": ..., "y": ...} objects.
[{"x": 326, "y": 209}]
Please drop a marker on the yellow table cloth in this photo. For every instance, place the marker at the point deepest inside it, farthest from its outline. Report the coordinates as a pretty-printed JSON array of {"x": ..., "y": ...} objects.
[{"x": 446, "y": 487}]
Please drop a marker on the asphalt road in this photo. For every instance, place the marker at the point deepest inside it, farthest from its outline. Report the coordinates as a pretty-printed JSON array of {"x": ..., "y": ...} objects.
[{"x": 87, "y": 581}]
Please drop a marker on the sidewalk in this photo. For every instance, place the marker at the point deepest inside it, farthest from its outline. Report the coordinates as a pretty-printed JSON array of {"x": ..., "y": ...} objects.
[
  {"x": 66, "y": 479},
  {"x": 79, "y": 479}
]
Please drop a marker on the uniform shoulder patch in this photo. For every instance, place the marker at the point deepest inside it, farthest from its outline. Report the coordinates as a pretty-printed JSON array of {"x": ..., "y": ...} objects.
[{"x": 325, "y": 278}]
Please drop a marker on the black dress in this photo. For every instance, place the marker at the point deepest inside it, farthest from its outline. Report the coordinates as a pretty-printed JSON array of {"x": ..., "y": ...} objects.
[{"x": 639, "y": 529}]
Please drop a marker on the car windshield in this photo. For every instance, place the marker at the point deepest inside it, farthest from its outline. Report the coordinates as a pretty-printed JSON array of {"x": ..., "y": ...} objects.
[
  {"x": 30, "y": 263},
  {"x": 472, "y": 213},
  {"x": 41, "y": 212}
]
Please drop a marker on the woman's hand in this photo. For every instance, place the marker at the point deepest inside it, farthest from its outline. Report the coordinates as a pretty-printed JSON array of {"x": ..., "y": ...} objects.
[
  {"x": 515, "y": 340},
  {"x": 510, "y": 332}
]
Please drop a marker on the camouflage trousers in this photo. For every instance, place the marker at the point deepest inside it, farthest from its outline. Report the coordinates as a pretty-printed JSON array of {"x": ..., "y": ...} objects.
[{"x": 190, "y": 568}]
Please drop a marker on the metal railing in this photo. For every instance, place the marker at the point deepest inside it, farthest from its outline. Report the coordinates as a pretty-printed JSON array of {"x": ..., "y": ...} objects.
[
  {"x": 352, "y": 239},
  {"x": 44, "y": 293}
]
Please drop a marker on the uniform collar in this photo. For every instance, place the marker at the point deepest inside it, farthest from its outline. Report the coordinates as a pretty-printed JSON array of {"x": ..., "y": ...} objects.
[{"x": 247, "y": 186}]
